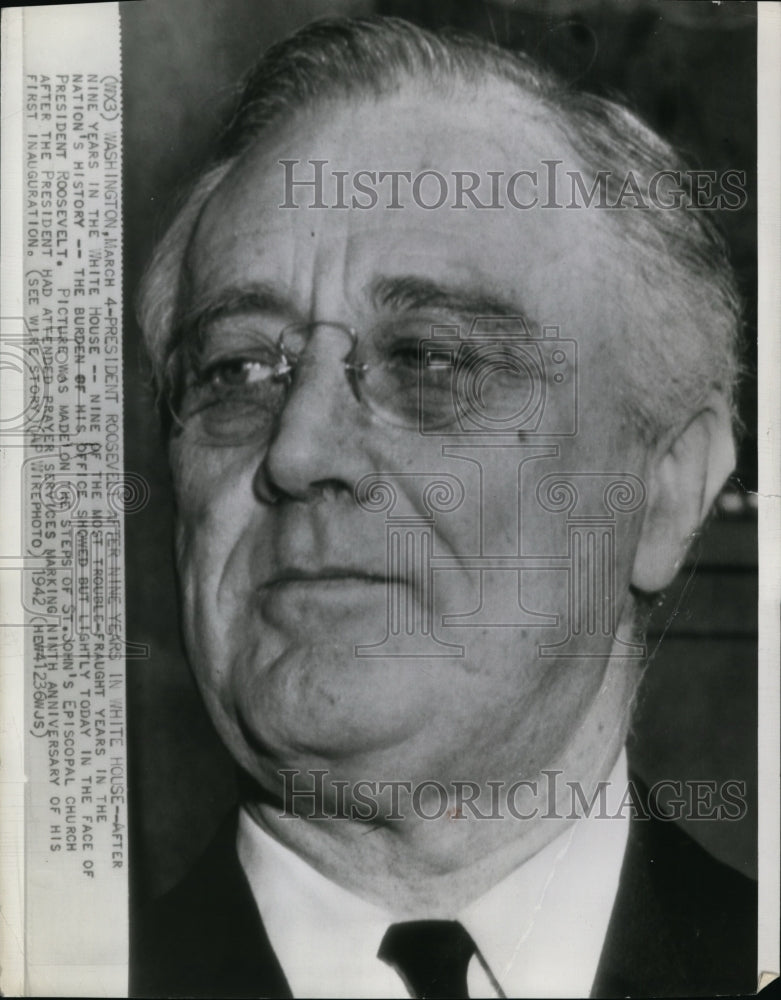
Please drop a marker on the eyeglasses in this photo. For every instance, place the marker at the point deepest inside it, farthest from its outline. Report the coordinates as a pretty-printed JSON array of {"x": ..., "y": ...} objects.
[{"x": 409, "y": 372}]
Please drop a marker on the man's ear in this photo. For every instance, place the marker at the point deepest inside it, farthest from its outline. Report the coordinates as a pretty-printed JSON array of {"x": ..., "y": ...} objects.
[{"x": 684, "y": 474}]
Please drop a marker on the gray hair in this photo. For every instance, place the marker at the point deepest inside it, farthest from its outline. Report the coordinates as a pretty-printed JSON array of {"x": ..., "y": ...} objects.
[{"x": 682, "y": 310}]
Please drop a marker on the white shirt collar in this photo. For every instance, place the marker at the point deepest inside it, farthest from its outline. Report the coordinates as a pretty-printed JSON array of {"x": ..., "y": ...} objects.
[{"x": 539, "y": 931}]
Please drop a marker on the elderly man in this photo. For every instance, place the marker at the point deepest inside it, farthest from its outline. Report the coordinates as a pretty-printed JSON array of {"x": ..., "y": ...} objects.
[{"x": 447, "y": 374}]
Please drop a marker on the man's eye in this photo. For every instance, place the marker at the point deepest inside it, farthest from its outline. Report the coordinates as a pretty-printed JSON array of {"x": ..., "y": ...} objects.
[
  {"x": 237, "y": 373},
  {"x": 405, "y": 355}
]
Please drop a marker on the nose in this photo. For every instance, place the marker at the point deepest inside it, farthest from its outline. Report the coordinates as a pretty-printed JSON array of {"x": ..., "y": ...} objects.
[{"x": 316, "y": 443}]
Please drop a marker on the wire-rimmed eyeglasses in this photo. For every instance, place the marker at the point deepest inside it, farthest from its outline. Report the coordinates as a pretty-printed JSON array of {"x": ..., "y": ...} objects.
[{"x": 409, "y": 372}]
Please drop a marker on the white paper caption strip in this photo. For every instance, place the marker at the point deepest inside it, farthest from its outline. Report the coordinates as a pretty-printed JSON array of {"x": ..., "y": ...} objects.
[{"x": 73, "y": 497}]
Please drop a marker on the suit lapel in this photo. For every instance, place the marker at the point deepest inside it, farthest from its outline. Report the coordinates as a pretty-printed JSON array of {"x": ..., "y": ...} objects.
[
  {"x": 639, "y": 948},
  {"x": 682, "y": 924}
]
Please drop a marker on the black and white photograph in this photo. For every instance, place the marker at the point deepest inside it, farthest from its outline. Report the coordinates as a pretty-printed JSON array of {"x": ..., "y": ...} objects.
[{"x": 393, "y": 521}]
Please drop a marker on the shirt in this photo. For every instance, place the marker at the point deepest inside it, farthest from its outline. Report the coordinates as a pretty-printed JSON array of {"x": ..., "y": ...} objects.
[{"x": 539, "y": 931}]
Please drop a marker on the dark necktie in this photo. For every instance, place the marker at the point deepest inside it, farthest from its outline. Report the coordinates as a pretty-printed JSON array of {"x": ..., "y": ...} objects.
[{"x": 431, "y": 956}]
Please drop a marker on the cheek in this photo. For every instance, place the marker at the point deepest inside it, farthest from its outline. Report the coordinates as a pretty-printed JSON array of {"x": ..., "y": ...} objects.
[
  {"x": 213, "y": 488},
  {"x": 215, "y": 507},
  {"x": 199, "y": 474}
]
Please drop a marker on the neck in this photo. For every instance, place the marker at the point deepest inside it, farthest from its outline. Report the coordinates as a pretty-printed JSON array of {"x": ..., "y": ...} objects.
[{"x": 420, "y": 868}]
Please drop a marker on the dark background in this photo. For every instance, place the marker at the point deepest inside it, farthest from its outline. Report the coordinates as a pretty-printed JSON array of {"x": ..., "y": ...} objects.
[{"x": 690, "y": 69}]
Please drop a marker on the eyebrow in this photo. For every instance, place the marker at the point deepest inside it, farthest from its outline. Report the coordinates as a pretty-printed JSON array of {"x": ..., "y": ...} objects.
[
  {"x": 409, "y": 292},
  {"x": 258, "y": 297},
  {"x": 402, "y": 293}
]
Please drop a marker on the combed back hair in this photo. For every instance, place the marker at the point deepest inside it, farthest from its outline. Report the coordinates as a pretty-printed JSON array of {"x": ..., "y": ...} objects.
[{"x": 677, "y": 330}]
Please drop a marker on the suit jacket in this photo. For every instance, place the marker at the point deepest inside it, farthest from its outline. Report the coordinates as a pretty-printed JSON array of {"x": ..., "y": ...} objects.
[{"x": 683, "y": 924}]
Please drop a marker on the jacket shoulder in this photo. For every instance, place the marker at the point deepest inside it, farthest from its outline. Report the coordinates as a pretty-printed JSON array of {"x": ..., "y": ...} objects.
[
  {"x": 684, "y": 923},
  {"x": 204, "y": 937}
]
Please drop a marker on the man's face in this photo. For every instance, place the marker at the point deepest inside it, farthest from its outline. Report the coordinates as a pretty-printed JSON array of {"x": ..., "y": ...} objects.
[{"x": 277, "y": 595}]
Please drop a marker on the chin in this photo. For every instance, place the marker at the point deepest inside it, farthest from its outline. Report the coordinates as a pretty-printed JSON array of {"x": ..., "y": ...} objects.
[{"x": 310, "y": 705}]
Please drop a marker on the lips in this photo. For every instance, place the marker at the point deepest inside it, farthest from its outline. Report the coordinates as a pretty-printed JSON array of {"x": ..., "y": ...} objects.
[
  {"x": 326, "y": 574},
  {"x": 329, "y": 600}
]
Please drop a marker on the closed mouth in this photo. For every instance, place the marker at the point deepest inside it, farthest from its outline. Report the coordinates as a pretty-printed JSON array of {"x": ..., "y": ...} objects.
[{"x": 328, "y": 574}]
